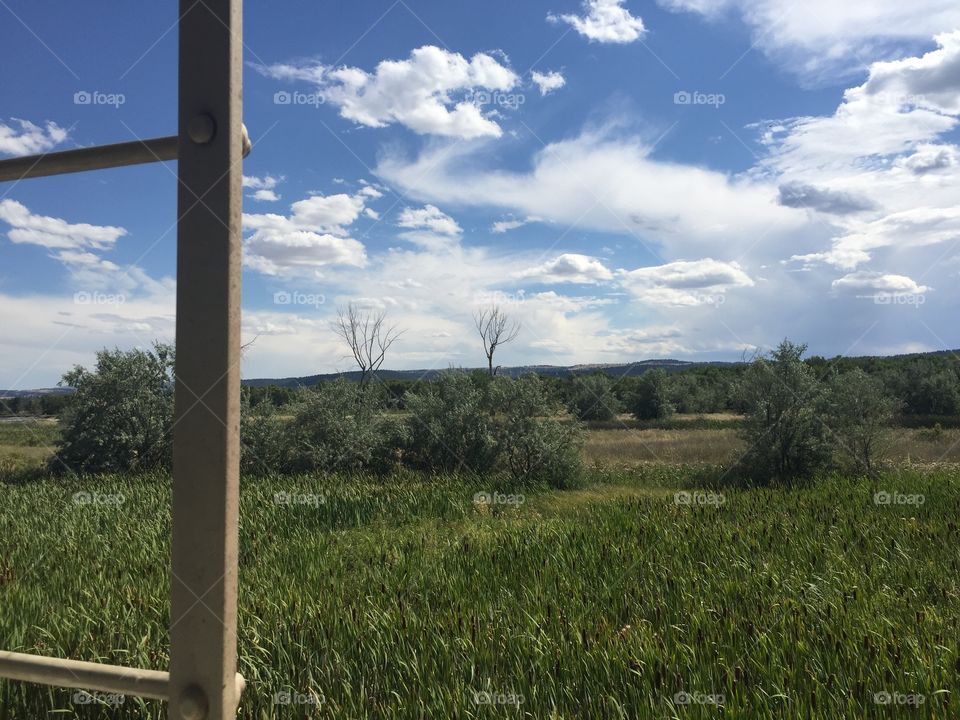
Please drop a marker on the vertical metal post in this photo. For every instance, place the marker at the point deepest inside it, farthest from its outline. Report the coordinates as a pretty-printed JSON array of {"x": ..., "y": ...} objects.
[{"x": 203, "y": 621}]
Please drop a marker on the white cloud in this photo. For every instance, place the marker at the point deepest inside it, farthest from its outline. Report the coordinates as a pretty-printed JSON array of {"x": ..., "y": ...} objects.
[
  {"x": 314, "y": 235},
  {"x": 548, "y": 82},
  {"x": 568, "y": 268},
  {"x": 429, "y": 218},
  {"x": 822, "y": 37},
  {"x": 603, "y": 182},
  {"x": 913, "y": 228},
  {"x": 54, "y": 233},
  {"x": 879, "y": 285},
  {"x": 426, "y": 93},
  {"x": 28, "y": 138},
  {"x": 684, "y": 283},
  {"x": 606, "y": 21},
  {"x": 263, "y": 187}
]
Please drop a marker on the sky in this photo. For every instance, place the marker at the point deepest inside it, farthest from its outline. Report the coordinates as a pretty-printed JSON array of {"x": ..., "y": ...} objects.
[{"x": 627, "y": 179}]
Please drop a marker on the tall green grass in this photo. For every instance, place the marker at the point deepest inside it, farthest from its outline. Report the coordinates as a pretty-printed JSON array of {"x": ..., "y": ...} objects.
[{"x": 405, "y": 599}]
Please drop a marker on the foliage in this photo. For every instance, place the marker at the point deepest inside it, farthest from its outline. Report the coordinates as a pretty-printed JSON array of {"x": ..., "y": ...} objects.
[
  {"x": 120, "y": 417},
  {"x": 460, "y": 422},
  {"x": 593, "y": 398},
  {"x": 785, "y": 437},
  {"x": 651, "y": 399},
  {"x": 535, "y": 447},
  {"x": 857, "y": 414}
]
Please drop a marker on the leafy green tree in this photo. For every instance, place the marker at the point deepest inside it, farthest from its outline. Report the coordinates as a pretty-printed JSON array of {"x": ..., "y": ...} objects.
[
  {"x": 593, "y": 397},
  {"x": 451, "y": 425},
  {"x": 534, "y": 446},
  {"x": 859, "y": 413},
  {"x": 783, "y": 396},
  {"x": 651, "y": 400},
  {"x": 120, "y": 417}
]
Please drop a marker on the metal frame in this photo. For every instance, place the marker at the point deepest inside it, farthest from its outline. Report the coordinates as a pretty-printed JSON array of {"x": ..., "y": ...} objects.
[{"x": 202, "y": 681}]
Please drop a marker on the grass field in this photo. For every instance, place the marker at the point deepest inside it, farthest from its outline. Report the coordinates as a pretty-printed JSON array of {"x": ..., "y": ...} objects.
[{"x": 408, "y": 600}]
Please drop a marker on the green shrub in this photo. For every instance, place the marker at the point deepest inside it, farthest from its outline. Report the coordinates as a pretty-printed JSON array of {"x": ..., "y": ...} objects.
[
  {"x": 451, "y": 426},
  {"x": 857, "y": 414},
  {"x": 121, "y": 416},
  {"x": 651, "y": 401},
  {"x": 534, "y": 446},
  {"x": 493, "y": 424},
  {"x": 339, "y": 426},
  {"x": 785, "y": 437},
  {"x": 592, "y": 398}
]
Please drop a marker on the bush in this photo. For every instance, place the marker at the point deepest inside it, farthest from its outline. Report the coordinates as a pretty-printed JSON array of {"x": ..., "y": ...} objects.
[
  {"x": 858, "y": 413},
  {"x": 782, "y": 429},
  {"x": 534, "y": 446},
  {"x": 264, "y": 439},
  {"x": 340, "y": 426},
  {"x": 493, "y": 424},
  {"x": 592, "y": 398},
  {"x": 651, "y": 401},
  {"x": 120, "y": 417},
  {"x": 451, "y": 425}
]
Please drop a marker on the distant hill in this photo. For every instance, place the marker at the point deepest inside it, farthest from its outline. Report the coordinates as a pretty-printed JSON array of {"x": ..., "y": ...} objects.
[
  {"x": 617, "y": 369},
  {"x": 35, "y": 392}
]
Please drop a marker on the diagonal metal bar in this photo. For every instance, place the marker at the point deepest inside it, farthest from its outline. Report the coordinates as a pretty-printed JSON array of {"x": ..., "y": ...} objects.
[{"x": 137, "y": 152}]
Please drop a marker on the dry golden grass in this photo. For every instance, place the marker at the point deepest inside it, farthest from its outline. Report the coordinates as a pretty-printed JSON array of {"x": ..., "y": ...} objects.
[
  {"x": 624, "y": 447},
  {"x": 628, "y": 446}
]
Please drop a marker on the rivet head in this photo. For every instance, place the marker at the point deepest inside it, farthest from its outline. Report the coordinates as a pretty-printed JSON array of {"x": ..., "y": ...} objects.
[
  {"x": 193, "y": 703},
  {"x": 201, "y": 129}
]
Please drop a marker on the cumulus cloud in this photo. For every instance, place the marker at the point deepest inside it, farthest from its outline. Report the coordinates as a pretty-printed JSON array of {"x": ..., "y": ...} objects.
[
  {"x": 823, "y": 37},
  {"x": 313, "y": 236},
  {"x": 604, "y": 182},
  {"x": 929, "y": 158},
  {"x": 835, "y": 202},
  {"x": 429, "y": 218},
  {"x": 568, "y": 268},
  {"x": 548, "y": 82},
  {"x": 429, "y": 92},
  {"x": 263, "y": 187},
  {"x": 604, "y": 21},
  {"x": 879, "y": 285},
  {"x": 684, "y": 283},
  {"x": 55, "y": 233},
  {"x": 27, "y": 138},
  {"x": 913, "y": 228}
]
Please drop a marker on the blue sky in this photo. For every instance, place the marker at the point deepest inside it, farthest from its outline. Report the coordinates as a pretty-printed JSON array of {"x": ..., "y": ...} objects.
[{"x": 627, "y": 179}]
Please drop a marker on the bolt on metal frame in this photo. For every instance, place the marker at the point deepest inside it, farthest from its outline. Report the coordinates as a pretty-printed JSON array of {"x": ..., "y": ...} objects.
[{"x": 202, "y": 681}]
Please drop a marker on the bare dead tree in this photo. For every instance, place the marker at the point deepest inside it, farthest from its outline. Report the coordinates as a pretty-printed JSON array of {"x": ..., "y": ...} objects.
[
  {"x": 495, "y": 328},
  {"x": 368, "y": 337}
]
